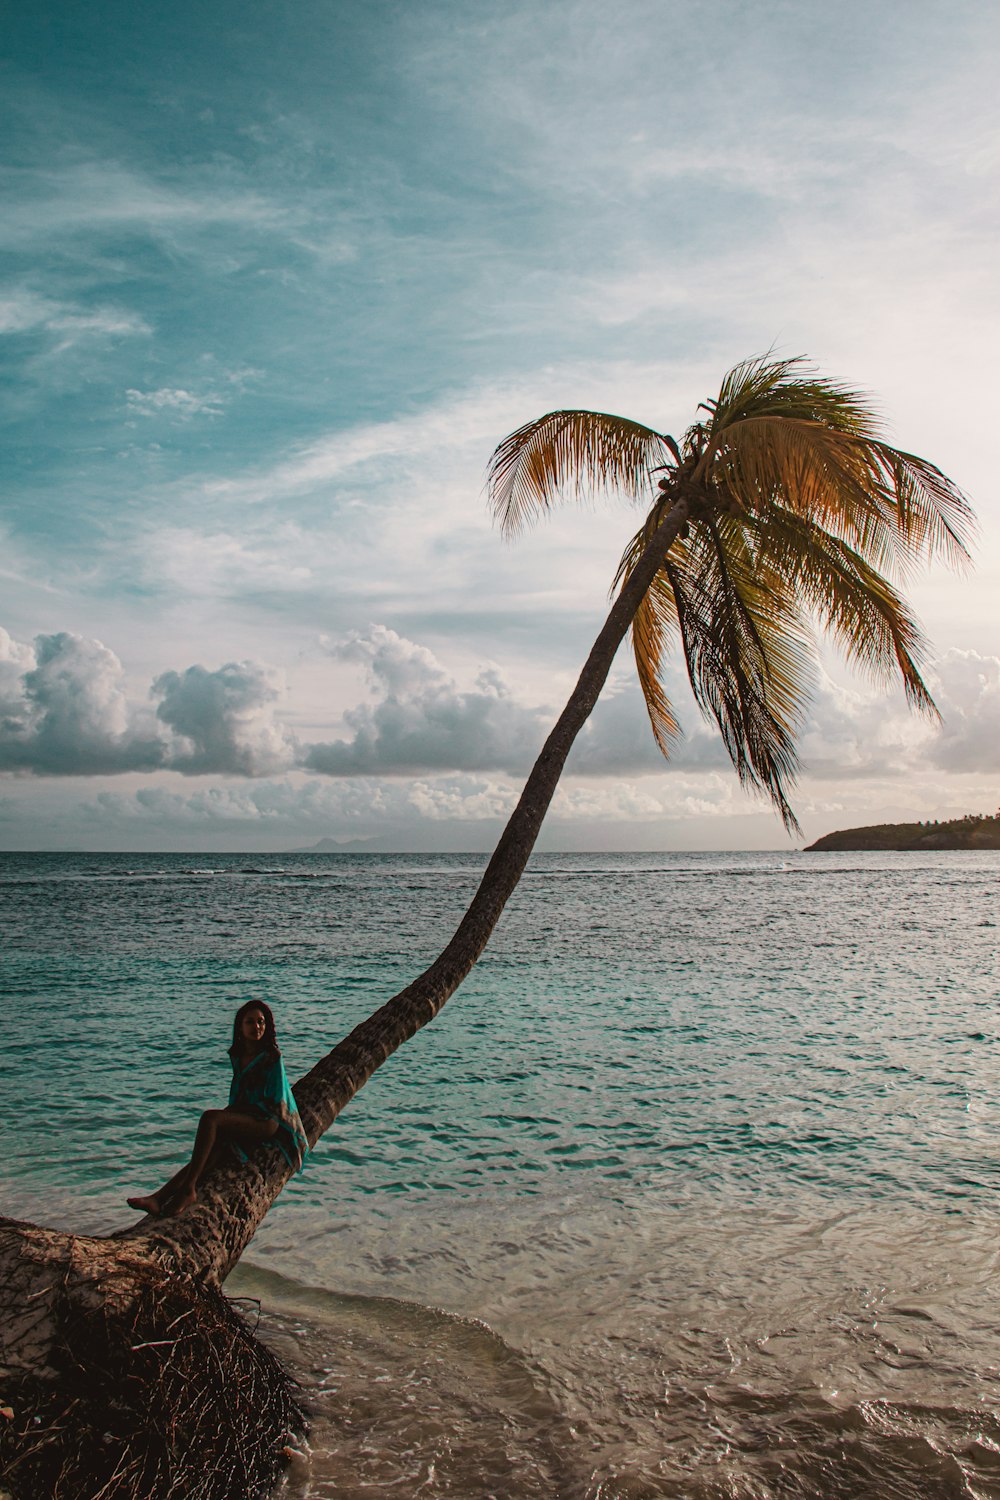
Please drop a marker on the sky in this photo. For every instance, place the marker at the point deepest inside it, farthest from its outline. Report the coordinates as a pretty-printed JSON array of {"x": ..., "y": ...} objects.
[{"x": 277, "y": 278}]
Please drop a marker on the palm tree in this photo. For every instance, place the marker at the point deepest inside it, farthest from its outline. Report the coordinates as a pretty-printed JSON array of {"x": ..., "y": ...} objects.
[
  {"x": 781, "y": 507},
  {"x": 780, "y": 510}
]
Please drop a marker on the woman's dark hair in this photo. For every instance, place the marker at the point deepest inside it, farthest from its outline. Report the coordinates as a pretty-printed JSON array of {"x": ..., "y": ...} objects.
[{"x": 270, "y": 1035}]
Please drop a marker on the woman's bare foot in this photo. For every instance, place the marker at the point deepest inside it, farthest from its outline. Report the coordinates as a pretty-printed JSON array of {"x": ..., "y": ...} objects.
[
  {"x": 148, "y": 1205},
  {"x": 183, "y": 1201}
]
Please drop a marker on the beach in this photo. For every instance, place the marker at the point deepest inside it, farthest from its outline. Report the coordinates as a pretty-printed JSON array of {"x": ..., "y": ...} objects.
[{"x": 690, "y": 1191}]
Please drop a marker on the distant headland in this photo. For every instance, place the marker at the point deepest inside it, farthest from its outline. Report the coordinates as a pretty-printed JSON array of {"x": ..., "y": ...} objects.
[{"x": 974, "y": 831}]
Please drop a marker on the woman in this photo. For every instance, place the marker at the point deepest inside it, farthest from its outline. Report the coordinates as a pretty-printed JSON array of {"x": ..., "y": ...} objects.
[{"x": 261, "y": 1108}]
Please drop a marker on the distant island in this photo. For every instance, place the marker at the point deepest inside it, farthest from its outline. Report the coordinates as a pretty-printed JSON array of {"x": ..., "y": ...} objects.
[{"x": 974, "y": 831}]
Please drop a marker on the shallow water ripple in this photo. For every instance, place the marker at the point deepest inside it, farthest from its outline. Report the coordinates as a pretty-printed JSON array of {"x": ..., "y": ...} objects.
[{"x": 690, "y": 1192}]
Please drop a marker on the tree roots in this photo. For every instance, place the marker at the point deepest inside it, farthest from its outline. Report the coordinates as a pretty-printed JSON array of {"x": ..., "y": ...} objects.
[{"x": 151, "y": 1388}]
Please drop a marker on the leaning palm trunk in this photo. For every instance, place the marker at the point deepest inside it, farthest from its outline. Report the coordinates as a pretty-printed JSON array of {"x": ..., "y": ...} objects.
[{"x": 127, "y": 1372}]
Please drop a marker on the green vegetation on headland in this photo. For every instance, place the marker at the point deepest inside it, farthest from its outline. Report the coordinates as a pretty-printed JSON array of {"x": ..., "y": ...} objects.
[{"x": 974, "y": 831}]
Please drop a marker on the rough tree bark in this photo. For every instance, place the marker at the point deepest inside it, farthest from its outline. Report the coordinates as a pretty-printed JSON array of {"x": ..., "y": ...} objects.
[{"x": 126, "y": 1371}]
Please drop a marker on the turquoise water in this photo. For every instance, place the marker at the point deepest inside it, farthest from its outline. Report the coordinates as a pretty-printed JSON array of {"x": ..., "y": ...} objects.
[{"x": 691, "y": 1135}]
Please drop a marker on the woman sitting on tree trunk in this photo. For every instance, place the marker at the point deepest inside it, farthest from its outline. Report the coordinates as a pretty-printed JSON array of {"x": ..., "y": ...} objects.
[{"x": 261, "y": 1108}]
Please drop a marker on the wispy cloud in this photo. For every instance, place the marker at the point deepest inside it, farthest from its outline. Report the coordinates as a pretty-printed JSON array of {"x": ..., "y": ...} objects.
[
  {"x": 179, "y": 403},
  {"x": 25, "y": 311},
  {"x": 105, "y": 197}
]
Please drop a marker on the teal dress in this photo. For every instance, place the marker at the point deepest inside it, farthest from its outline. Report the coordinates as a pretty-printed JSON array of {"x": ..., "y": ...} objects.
[{"x": 262, "y": 1089}]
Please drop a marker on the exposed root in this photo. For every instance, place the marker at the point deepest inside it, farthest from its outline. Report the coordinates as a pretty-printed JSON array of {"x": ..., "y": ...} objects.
[{"x": 152, "y": 1387}]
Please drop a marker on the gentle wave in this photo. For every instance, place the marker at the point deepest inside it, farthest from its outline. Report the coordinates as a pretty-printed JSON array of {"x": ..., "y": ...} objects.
[{"x": 690, "y": 1191}]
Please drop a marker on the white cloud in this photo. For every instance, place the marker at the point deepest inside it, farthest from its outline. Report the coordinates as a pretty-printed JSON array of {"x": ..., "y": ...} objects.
[
  {"x": 422, "y": 720},
  {"x": 853, "y": 733},
  {"x": 104, "y": 196},
  {"x": 219, "y": 563},
  {"x": 180, "y": 403},
  {"x": 64, "y": 711},
  {"x": 423, "y": 750},
  {"x": 375, "y": 808},
  {"x": 24, "y": 311},
  {"x": 455, "y": 434},
  {"x": 68, "y": 714},
  {"x": 617, "y": 739},
  {"x": 967, "y": 690},
  {"x": 15, "y": 660},
  {"x": 224, "y": 720}
]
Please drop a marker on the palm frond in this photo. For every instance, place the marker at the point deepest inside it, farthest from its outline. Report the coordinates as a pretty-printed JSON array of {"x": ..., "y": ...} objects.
[
  {"x": 932, "y": 513},
  {"x": 766, "y": 387},
  {"x": 799, "y": 513},
  {"x": 776, "y": 428},
  {"x": 747, "y": 649},
  {"x": 577, "y": 450},
  {"x": 813, "y": 470},
  {"x": 749, "y": 657},
  {"x": 870, "y": 621},
  {"x": 655, "y": 626}
]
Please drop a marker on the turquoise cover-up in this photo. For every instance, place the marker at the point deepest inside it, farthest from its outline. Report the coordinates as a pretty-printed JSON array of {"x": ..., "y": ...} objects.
[{"x": 262, "y": 1089}]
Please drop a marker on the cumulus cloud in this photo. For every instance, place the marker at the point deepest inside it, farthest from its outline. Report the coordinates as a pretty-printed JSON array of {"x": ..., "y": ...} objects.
[
  {"x": 226, "y": 718},
  {"x": 968, "y": 695},
  {"x": 618, "y": 740},
  {"x": 68, "y": 713},
  {"x": 64, "y": 711},
  {"x": 15, "y": 660},
  {"x": 422, "y": 720},
  {"x": 854, "y": 733}
]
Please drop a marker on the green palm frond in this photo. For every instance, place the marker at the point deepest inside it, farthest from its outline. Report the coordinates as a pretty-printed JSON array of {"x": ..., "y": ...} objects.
[
  {"x": 932, "y": 513},
  {"x": 749, "y": 656},
  {"x": 765, "y": 387},
  {"x": 576, "y": 450},
  {"x": 870, "y": 621},
  {"x": 747, "y": 648}
]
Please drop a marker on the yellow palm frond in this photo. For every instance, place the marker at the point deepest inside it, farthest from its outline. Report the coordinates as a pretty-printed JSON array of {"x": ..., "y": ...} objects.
[
  {"x": 778, "y": 430},
  {"x": 655, "y": 629},
  {"x": 870, "y": 621},
  {"x": 815, "y": 472},
  {"x": 578, "y": 450}
]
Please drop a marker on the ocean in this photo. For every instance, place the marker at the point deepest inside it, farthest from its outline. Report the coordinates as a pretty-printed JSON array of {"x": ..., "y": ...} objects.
[{"x": 690, "y": 1191}]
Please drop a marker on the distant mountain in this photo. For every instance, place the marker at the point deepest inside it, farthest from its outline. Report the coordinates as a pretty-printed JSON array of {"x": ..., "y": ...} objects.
[{"x": 974, "y": 831}]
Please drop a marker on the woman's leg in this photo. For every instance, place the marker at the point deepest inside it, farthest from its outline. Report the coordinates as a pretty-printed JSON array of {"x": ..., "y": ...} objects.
[
  {"x": 214, "y": 1127},
  {"x": 155, "y": 1203}
]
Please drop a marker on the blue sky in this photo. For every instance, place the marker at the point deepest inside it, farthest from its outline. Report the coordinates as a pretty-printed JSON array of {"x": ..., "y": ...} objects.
[{"x": 276, "y": 279}]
